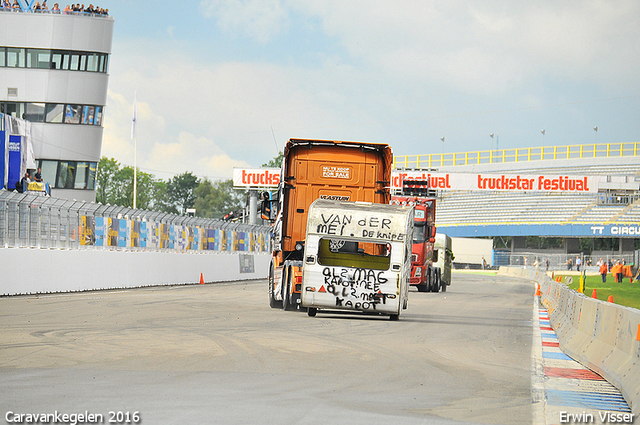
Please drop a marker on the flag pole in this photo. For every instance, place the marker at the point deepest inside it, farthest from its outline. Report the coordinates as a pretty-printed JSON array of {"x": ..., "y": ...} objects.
[{"x": 134, "y": 135}]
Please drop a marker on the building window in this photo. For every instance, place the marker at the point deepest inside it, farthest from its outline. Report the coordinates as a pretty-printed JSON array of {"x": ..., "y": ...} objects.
[
  {"x": 92, "y": 62},
  {"x": 34, "y": 112},
  {"x": 38, "y": 58},
  {"x": 15, "y": 109},
  {"x": 54, "y": 112},
  {"x": 88, "y": 115},
  {"x": 59, "y": 59},
  {"x": 69, "y": 174},
  {"x": 54, "y": 59},
  {"x": 15, "y": 57},
  {"x": 72, "y": 114}
]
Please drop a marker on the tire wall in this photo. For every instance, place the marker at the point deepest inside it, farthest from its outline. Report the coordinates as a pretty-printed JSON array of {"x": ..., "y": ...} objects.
[{"x": 603, "y": 336}]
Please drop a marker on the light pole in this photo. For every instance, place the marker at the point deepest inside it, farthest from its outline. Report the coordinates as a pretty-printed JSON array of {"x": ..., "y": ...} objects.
[
  {"x": 596, "y": 130},
  {"x": 442, "y": 138},
  {"x": 491, "y": 135},
  {"x": 543, "y": 133}
]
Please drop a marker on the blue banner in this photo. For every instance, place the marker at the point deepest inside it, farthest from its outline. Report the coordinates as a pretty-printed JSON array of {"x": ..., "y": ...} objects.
[
  {"x": 15, "y": 161},
  {"x": 100, "y": 233},
  {"x": 3, "y": 155},
  {"x": 143, "y": 234},
  {"x": 122, "y": 233},
  {"x": 629, "y": 230}
]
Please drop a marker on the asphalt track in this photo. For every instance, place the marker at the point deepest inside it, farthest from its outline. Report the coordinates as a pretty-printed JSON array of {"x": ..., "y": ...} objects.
[{"x": 217, "y": 354}]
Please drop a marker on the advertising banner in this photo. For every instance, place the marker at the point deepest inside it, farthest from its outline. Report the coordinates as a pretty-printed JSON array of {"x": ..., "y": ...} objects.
[
  {"x": 15, "y": 169},
  {"x": 4, "y": 156},
  {"x": 88, "y": 230},
  {"x": 100, "y": 231},
  {"x": 122, "y": 232},
  {"x": 256, "y": 177},
  {"x": 501, "y": 181},
  {"x": 143, "y": 234},
  {"x": 135, "y": 234}
]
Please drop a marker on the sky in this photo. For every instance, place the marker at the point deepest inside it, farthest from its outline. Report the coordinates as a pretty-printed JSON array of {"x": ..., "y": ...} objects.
[{"x": 225, "y": 83}]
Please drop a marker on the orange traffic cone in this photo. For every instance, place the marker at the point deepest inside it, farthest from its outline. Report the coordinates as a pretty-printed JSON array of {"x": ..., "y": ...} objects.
[
  {"x": 201, "y": 279},
  {"x": 538, "y": 291},
  {"x": 610, "y": 299},
  {"x": 594, "y": 294}
]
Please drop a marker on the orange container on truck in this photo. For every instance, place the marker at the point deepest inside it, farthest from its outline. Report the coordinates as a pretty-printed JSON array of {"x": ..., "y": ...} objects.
[
  {"x": 425, "y": 274},
  {"x": 319, "y": 169}
]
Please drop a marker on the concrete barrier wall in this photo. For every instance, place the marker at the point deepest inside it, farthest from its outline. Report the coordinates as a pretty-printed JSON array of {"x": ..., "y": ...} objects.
[
  {"x": 34, "y": 271},
  {"x": 602, "y": 336}
]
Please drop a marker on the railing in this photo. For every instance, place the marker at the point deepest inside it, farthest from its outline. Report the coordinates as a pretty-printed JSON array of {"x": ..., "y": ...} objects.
[
  {"x": 29, "y": 220},
  {"x": 434, "y": 160},
  {"x": 560, "y": 262},
  {"x": 55, "y": 12}
]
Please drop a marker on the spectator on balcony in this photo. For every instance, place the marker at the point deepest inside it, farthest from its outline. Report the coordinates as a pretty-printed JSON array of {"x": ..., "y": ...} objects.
[
  {"x": 55, "y": 8},
  {"x": 37, "y": 7},
  {"x": 16, "y": 5},
  {"x": 67, "y": 9},
  {"x": 6, "y": 5},
  {"x": 44, "y": 5}
]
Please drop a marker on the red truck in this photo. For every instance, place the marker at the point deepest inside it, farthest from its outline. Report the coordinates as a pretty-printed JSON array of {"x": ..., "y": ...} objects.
[{"x": 424, "y": 274}]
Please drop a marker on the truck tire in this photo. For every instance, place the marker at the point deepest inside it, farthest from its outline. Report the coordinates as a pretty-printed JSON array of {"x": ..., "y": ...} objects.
[
  {"x": 426, "y": 286},
  {"x": 273, "y": 303},
  {"x": 312, "y": 311},
  {"x": 287, "y": 305},
  {"x": 443, "y": 284},
  {"x": 394, "y": 317},
  {"x": 435, "y": 282}
]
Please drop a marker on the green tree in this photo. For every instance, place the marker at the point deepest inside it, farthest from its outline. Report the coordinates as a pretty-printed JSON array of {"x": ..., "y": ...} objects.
[
  {"x": 276, "y": 162},
  {"x": 114, "y": 185},
  {"x": 214, "y": 200},
  {"x": 181, "y": 191},
  {"x": 107, "y": 169}
]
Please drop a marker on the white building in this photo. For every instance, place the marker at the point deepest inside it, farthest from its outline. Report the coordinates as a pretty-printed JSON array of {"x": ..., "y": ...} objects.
[{"x": 54, "y": 73}]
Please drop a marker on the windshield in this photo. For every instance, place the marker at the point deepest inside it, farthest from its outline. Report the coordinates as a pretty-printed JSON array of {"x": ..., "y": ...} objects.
[{"x": 418, "y": 234}]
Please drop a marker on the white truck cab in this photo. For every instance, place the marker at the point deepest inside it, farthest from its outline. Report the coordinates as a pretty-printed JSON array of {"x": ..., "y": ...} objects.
[
  {"x": 357, "y": 257},
  {"x": 443, "y": 257}
]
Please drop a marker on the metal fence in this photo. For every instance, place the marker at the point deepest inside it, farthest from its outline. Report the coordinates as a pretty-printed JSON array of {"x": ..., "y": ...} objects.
[
  {"x": 36, "y": 221},
  {"x": 518, "y": 155},
  {"x": 555, "y": 262}
]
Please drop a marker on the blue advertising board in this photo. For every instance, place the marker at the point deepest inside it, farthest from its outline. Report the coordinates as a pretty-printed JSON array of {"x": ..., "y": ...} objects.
[{"x": 558, "y": 230}]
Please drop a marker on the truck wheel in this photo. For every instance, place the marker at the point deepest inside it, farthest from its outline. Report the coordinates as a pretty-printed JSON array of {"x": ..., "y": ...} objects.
[
  {"x": 435, "y": 283},
  {"x": 287, "y": 303},
  {"x": 422, "y": 287},
  {"x": 443, "y": 284},
  {"x": 394, "y": 317},
  {"x": 273, "y": 303},
  {"x": 312, "y": 311}
]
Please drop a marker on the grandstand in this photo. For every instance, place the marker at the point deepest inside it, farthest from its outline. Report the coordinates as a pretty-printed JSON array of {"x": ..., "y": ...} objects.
[{"x": 611, "y": 209}]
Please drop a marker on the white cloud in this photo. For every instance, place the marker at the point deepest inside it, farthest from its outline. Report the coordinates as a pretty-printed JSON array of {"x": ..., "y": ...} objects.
[
  {"x": 198, "y": 155},
  {"x": 259, "y": 19},
  {"x": 490, "y": 45}
]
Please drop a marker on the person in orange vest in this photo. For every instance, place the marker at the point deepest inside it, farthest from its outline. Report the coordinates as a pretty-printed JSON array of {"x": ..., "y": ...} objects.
[
  {"x": 603, "y": 271},
  {"x": 616, "y": 271}
]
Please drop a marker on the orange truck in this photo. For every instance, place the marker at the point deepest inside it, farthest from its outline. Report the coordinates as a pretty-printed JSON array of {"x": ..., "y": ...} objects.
[
  {"x": 319, "y": 169},
  {"x": 425, "y": 275}
]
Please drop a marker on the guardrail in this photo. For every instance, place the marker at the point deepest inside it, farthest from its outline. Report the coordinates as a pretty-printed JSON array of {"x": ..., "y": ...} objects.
[
  {"x": 518, "y": 155},
  {"x": 35, "y": 221},
  {"x": 603, "y": 336}
]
